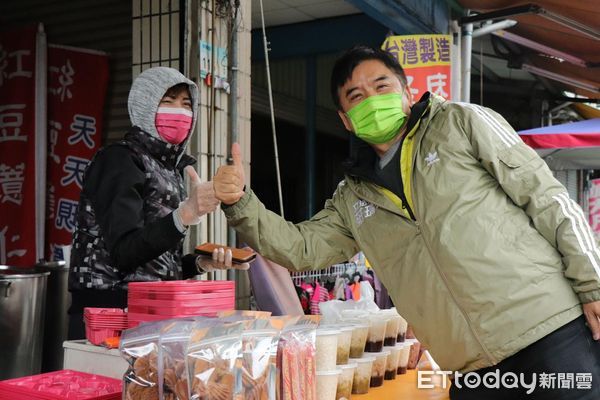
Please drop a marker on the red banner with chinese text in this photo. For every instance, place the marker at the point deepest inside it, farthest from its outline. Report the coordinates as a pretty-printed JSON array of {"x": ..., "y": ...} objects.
[
  {"x": 77, "y": 83},
  {"x": 22, "y": 165},
  {"x": 425, "y": 60}
]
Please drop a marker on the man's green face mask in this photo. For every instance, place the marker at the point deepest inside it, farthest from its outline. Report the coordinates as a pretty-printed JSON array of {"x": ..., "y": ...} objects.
[{"x": 378, "y": 119}]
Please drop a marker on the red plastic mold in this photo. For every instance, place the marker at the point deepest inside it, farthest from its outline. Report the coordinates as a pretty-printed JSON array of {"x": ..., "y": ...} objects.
[{"x": 61, "y": 385}]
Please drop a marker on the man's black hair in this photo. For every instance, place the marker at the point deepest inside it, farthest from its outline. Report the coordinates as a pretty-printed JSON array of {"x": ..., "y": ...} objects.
[{"x": 344, "y": 66}]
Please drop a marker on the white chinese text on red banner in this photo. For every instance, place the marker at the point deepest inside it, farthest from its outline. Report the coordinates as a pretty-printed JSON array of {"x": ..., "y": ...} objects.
[
  {"x": 77, "y": 83},
  {"x": 22, "y": 140}
]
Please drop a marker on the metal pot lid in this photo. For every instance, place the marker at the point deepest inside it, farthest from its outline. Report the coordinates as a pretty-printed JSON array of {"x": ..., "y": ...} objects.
[
  {"x": 52, "y": 266},
  {"x": 8, "y": 272}
]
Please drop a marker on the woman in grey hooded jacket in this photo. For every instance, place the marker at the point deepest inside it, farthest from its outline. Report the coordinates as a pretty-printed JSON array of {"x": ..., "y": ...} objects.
[{"x": 134, "y": 212}]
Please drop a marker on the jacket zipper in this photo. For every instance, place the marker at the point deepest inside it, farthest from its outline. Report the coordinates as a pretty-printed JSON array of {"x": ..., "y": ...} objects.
[
  {"x": 442, "y": 275},
  {"x": 405, "y": 203}
]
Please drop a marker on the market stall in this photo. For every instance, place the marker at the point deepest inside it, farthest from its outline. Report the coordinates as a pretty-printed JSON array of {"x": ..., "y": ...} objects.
[
  {"x": 182, "y": 340},
  {"x": 574, "y": 145}
]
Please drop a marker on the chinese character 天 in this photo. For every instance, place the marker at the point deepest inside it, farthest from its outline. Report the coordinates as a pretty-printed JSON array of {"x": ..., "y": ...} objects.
[
  {"x": 83, "y": 127},
  {"x": 74, "y": 167}
]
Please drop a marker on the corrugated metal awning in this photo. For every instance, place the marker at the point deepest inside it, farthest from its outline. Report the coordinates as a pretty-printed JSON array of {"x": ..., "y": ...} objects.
[{"x": 573, "y": 29}]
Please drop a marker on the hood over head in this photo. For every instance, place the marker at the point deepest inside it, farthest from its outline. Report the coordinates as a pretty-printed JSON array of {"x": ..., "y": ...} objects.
[{"x": 146, "y": 92}]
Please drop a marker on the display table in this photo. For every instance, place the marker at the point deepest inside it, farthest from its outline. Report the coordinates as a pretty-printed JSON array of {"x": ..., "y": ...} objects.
[
  {"x": 82, "y": 356},
  {"x": 404, "y": 387}
]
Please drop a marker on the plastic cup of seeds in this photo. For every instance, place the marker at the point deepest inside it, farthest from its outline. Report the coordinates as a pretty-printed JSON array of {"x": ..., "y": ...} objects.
[
  {"x": 327, "y": 383},
  {"x": 362, "y": 374},
  {"x": 378, "y": 371},
  {"x": 345, "y": 380},
  {"x": 326, "y": 348}
]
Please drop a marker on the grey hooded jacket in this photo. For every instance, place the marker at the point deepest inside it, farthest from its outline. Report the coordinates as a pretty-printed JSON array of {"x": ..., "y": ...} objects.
[{"x": 125, "y": 228}]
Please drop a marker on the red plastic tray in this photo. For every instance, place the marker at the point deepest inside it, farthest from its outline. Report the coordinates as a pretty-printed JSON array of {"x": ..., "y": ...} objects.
[
  {"x": 151, "y": 295},
  {"x": 180, "y": 286},
  {"x": 62, "y": 385},
  {"x": 180, "y": 310},
  {"x": 103, "y": 311},
  {"x": 180, "y": 303}
]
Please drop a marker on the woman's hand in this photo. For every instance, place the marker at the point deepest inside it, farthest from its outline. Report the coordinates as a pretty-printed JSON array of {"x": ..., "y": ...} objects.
[
  {"x": 221, "y": 259},
  {"x": 201, "y": 200}
]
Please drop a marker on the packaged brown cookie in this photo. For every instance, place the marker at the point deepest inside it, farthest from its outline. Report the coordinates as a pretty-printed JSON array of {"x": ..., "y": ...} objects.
[
  {"x": 139, "y": 347},
  {"x": 211, "y": 361}
]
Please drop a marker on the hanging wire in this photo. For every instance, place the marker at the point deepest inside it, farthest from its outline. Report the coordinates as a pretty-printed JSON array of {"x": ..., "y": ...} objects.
[{"x": 270, "y": 90}]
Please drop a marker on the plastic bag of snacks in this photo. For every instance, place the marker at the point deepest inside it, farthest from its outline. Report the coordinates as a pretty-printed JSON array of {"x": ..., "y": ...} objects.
[
  {"x": 211, "y": 361},
  {"x": 139, "y": 347},
  {"x": 296, "y": 361},
  {"x": 258, "y": 370},
  {"x": 173, "y": 342}
]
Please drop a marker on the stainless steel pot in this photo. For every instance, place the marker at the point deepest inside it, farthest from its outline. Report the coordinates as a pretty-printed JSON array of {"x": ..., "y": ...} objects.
[
  {"x": 58, "y": 301},
  {"x": 22, "y": 298}
]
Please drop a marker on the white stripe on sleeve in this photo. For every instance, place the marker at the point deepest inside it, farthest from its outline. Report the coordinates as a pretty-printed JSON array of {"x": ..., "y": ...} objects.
[{"x": 578, "y": 229}]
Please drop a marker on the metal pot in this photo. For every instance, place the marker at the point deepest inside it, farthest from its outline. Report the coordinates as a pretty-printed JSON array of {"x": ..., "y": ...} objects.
[
  {"x": 22, "y": 298},
  {"x": 58, "y": 300}
]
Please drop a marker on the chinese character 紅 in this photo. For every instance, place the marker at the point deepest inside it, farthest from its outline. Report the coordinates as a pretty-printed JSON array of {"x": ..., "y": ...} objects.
[
  {"x": 84, "y": 127},
  {"x": 436, "y": 84},
  {"x": 11, "y": 122},
  {"x": 427, "y": 52},
  {"x": 11, "y": 183},
  {"x": 443, "y": 49},
  {"x": 65, "y": 79},
  {"x": 17, "y": 56},
  {"x": 409, "y": 49},
  {"x": 66, "y": 214},
  {"x": 4, "y": 255},
  {"x": 74, "y": 167},
  {"x": 583, "y": 381}
]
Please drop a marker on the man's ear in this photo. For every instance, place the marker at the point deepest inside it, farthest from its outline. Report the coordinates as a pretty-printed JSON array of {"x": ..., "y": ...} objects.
[
  {"x": 345, "y": 120},
  {"x": 409, "y": 95}
]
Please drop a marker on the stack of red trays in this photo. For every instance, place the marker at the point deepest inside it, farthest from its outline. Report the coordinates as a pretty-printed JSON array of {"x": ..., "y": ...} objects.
[
  {"x": 153, "y": 301},
  {"x": 62, "y": 385},
  {"x": 103, "y": 323}
]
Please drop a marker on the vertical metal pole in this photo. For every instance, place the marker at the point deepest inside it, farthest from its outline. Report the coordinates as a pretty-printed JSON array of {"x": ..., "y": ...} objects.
[
  {"x": 311, "y": 133},
  {"x": 455, "y": 69},
  {"x": 233, "y": 112},
  {"x": 467, "y": 42}
]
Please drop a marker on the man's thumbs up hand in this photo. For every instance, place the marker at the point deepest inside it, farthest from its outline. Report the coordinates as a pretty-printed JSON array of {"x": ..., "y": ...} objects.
[{"x": 230, "y": 180}]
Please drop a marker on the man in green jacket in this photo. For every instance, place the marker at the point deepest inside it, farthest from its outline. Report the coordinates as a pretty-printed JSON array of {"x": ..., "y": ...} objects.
[{"x": 479, "y": 246}]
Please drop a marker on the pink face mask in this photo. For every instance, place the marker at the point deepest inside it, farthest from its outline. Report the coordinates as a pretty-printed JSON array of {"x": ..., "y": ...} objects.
[{"x": 173, "y": 124}]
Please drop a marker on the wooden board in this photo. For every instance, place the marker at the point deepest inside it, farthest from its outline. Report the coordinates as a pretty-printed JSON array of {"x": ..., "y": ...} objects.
[{"x": 404, "y": 387}]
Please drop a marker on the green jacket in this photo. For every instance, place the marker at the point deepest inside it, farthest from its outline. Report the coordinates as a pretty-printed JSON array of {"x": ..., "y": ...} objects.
[{"x": 497, "y": 255}]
